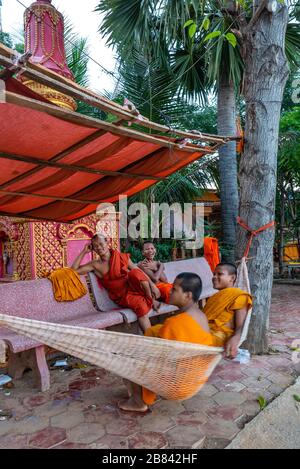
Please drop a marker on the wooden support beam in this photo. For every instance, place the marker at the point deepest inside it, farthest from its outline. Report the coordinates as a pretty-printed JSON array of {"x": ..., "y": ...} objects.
[
  {"x": 90, "y": 122},
  {"x": 74, "y": 168},
  {"x": 57, "y": 157},
  {"x": 51, "y": 197},
  {"x": 42, "y": 75}
]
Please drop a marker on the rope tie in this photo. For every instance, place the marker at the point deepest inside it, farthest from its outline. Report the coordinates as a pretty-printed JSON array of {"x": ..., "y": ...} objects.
[{"x": 252, "y": 233}]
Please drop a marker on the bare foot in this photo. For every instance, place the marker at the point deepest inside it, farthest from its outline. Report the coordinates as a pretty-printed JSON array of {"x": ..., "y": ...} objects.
[
  {"x": 130, "y": 405},
  {"x": 156, "y": 305},
  {"x": 128, "y": 385}
]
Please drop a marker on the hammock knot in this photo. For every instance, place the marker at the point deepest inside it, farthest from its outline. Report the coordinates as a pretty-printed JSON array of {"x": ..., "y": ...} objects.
[{"x": 252, "y": 233}]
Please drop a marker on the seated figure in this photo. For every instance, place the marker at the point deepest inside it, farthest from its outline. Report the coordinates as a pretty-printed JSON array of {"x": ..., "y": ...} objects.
[
  {"x": 226, "y": 311},
  {"x": 155, "y": 271},
  {"x": 126, "y": 284},
  {"x": 190, "y": 325}
]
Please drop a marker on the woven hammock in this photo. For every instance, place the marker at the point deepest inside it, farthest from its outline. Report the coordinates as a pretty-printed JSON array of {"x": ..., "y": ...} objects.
[{"x": 174, "y": 370}]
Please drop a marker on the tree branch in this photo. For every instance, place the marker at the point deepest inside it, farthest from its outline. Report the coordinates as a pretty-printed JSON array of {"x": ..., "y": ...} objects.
[{"x": 257, "y": 14}]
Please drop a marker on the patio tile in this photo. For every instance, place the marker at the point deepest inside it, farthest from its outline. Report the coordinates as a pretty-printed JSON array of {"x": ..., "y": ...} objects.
[
  {"x": 67, "y": 419},
  {"x": 86, "y": 433},
  {"x": 198, "y": 403},
  {"x": 111, "y": 442},
  {"x": 220, "y": 428},
  {"x": 215, "y": 443},
  {"x": 208, "y": 390},
  {"x": 121, "y": 427},
  {"x": 151, "y": 440},
  {"x": 185, "y": 435},
  {"x": 224, "y": 412},
  {"x": 191, "y": 418},
  {"x": 229, "y": 398},
  {"x": 13, "y": 441},
  {"x": 32, "y": 424},
  {"x": 47, "y": 438}
]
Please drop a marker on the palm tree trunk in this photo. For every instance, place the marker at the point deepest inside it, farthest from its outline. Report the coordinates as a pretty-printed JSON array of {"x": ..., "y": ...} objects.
[
  {"x": 266, "y": 73},
  {"x": 228, "y": 166}
]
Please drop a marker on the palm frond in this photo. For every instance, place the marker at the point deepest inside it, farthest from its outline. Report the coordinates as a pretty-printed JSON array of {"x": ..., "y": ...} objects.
[
  {"x": 126, "y": 23},
  {"x": 292, "y": 44}
]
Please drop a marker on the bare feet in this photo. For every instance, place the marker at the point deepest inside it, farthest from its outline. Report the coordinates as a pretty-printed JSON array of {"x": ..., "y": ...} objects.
[
  {"x": 129, "y": 387},
  {"x": 130, "y": 405}
]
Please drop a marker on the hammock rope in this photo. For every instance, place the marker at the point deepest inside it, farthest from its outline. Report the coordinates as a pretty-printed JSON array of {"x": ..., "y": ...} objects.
[{"x": 174, "y": 370}]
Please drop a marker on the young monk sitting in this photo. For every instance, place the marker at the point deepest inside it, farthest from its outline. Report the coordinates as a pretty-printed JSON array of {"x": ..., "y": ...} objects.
[
  {"x": 155, "y": 271},
  {"x": 190, "y": 325},
  {"x": 126, "y": 284},
  {"x": 226, "y": 311}
]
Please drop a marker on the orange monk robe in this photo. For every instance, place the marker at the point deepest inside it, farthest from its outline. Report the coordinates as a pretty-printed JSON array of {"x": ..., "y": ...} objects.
[
  {"x": 220, "y": 309},
  {"x": 165, "y": 291},
  {"x": 124, "y": 286},
  {"x": 183, "y": 328},
  {"x": 66, "y": 284}
]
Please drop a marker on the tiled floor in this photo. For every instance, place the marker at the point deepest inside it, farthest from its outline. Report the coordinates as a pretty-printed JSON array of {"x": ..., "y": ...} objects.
[{"x": 80, "y": 409}]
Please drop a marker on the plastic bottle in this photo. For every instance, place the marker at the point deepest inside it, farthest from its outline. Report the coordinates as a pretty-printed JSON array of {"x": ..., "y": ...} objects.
[{"x": 243, "y": 356}]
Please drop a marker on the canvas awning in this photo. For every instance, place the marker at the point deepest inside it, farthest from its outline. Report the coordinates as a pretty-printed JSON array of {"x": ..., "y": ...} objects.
[{"x": 59, "y": 165}]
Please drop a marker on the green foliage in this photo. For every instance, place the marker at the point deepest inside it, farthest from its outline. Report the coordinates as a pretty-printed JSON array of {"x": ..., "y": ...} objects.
[
  {"x": 262, "y": 402},
  {"x": 231, "y": 39},
  {"x": 192, "y": 30},
  {"x": 6, "y": 39},
  {"x": 296, "y": 397},
  {"x": 212, "y": 35}
]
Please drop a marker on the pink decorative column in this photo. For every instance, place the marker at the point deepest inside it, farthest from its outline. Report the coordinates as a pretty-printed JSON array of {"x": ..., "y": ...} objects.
[{"x": 44, "y": 38}]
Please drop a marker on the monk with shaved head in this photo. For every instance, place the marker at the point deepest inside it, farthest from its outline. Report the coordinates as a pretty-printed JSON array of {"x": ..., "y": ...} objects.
[
  {"x": 126, "y": 284},
  {"x": 226, "y": 311}
]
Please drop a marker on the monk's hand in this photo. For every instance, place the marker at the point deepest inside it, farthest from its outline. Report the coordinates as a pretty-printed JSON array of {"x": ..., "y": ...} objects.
[
  {"x": 87, "y": 248},
  {"x": 155, "y": 291},
  {"x": 231, "y": 347},
  {"x": 151, "y": 265}
]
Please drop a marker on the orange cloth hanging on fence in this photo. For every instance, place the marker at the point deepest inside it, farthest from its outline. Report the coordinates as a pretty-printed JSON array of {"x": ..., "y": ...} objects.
[
  {"x": 66, "y": 284},
  {"x": 211, "y": 252},
  {"x": 183, "y": 328}
]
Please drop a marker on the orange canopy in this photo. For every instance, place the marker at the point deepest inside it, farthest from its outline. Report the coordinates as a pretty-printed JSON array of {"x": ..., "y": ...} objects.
[{"x": 29, "y": 138}]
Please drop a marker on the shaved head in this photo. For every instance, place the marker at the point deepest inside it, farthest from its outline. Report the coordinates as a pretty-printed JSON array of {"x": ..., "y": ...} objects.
[{"x": 231, "y": 268}]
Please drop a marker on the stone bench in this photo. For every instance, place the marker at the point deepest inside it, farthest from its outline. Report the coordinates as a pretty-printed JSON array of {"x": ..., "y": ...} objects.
[
  {"x": 196, "y": 265},
  {"x": 34, "y": 299}
]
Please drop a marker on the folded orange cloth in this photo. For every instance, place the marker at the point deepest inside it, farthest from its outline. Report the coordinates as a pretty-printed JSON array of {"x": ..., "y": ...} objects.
[{"x": 66, "y": 284}]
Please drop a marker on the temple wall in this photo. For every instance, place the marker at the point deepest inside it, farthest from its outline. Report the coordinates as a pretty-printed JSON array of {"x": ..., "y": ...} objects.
[{"x": 41, "y": 246}]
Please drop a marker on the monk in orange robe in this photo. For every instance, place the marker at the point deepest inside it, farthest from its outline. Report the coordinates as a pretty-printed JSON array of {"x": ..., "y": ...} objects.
[
  {"x": 227, "y": 310},
  {"x": 155, "y": 271},
  {"x": 126, "y": 284},
  {"x": 190, "y": 325}
]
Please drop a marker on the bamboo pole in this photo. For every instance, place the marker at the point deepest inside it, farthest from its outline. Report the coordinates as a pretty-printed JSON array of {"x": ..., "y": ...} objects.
[{"x": 90, "y": 122}]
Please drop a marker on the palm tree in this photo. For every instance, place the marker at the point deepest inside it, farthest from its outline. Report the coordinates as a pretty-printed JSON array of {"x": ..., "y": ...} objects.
[{"x": 141, "y": 78}]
